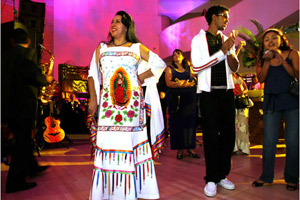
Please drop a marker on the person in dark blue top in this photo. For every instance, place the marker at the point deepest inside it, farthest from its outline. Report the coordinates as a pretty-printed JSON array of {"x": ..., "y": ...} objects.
[
  {"x": 181, "y": 98},
  {"x": 276, "y": 66}
]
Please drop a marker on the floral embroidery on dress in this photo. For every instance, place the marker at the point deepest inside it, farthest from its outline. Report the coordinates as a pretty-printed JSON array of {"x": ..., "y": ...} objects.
[{"x": 120, "y": 116}]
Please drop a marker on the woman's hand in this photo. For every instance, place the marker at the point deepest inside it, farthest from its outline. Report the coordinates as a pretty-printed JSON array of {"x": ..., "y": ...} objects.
[
  {"x": 179, "y": 83},
  {"x": 141, "y": 78},
  {"x": 186, "y": 83},
  {"x": 278, "y": 55},
  {"x": 268, "y": 55},
  {"x": 145, "y": 75},
  {"x": 272, "y": 54},
  {"x": 190, "y": 83},
  {"x": 93, "y": 106}
]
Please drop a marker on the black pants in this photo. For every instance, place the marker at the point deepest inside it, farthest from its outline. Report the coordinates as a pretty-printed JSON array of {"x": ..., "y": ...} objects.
[
  {"x": 22, "y": 159},
  {"x": 218, "y": 123}
]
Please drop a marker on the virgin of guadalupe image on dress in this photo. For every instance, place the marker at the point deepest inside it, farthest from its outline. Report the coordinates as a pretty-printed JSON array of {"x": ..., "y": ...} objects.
[{"x": 120, "y": 88}]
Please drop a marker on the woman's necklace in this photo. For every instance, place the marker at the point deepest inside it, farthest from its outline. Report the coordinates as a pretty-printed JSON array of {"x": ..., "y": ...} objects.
[{"x": 119, "y": 44}]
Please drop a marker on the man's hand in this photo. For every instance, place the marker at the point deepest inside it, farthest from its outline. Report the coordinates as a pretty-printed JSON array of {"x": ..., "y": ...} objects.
[
  {"x": 49, "y": 78},
  {"x": 241, "y": 44},
  {"x": 229, "y": 43}
]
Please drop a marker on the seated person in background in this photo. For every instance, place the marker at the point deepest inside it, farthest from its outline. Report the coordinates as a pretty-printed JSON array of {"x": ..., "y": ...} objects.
[
  {"x": 72, "y": 116},
  {"x": 255, "y": 84},
  {"x": 74, "y": 103}
]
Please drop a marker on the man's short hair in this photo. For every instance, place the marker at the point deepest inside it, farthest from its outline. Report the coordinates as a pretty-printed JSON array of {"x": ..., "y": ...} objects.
[
  {"x": 20, "y": 36},
  {"x": 216, "y": 9}
]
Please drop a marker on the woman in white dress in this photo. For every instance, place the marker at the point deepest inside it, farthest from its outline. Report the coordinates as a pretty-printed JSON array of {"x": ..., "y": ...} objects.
[{"x": 123, "y": 165}]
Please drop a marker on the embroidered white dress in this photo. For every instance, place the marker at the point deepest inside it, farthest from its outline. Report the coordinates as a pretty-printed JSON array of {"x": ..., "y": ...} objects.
[{"x": 123, "y": 165}]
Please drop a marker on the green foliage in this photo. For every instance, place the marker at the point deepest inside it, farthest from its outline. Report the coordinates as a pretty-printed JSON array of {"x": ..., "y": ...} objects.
[{"x": 253, "y": 43}]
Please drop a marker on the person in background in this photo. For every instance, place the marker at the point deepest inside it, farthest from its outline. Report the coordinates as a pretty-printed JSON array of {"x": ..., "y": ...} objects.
[
  {"x": 276, "y": 66},
  {"x": 241, "y": 117},
  {"x": 19, "y": 95},
  {"x": 74, "y": 103},
  {"x": 214, "y": 60},
  {"x": 256, "y": 85},
  {"x": 72, "y": 117},
  {"x": 181, "y": 98},
  {"x": 123, "y": 152}
]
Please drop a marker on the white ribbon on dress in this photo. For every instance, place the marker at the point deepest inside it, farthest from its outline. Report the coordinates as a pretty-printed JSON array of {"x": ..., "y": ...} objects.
[{"x": 152, "y": 99}]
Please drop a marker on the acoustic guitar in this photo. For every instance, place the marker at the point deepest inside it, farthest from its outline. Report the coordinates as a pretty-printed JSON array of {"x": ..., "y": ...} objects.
[{"x": 54, "y": 133}]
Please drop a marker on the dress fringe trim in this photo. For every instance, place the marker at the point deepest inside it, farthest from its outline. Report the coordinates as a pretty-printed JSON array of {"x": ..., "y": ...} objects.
[{"x": 125, "y": 180}]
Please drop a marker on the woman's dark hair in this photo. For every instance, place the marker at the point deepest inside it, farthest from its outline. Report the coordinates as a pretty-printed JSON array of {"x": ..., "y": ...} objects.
[
  {"x": 185, "y": 62},
  {"x": 130, "y": 25},
  {"x": 284, "y": 47},
  {"x": 214, "y": 10}
]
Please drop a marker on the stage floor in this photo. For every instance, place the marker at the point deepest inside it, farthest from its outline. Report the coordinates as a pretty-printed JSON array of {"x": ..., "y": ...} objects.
[{"x": 70, "y": 172}]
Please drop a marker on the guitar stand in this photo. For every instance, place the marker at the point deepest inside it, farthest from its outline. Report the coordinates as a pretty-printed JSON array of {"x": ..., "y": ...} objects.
[
  {"x": 62, "y": 144},
  {"x": 68, "y": 139},
  {"x": 38, "y": 143},
  {"x": 38, "y": 150}
]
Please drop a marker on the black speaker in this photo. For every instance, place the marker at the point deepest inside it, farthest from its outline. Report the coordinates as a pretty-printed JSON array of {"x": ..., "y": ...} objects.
[
  {"x": 32, "y": 15},
  {"x": 6, "y": 35}
]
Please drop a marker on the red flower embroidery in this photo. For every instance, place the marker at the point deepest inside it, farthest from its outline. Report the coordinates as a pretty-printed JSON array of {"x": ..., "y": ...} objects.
[
  {"x": 136, "y": 93},
  {"x": 136, "y": 103},
  {"x": 105, "y": 104},
  {"x": 118, "y": 118},
  {"x": 106, "y": 95},
  {"x": 108, "y": 113},
  {"x": 130, "y": 114}
]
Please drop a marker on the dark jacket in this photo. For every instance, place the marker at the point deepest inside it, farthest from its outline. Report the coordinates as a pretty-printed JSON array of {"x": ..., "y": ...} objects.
[{"x": 21, "y": 79}]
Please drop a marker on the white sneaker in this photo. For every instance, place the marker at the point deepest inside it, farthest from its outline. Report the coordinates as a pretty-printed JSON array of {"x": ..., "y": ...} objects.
[
  {"x": 210, "y": 189},
  {"x": 227, "y": 184}
]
